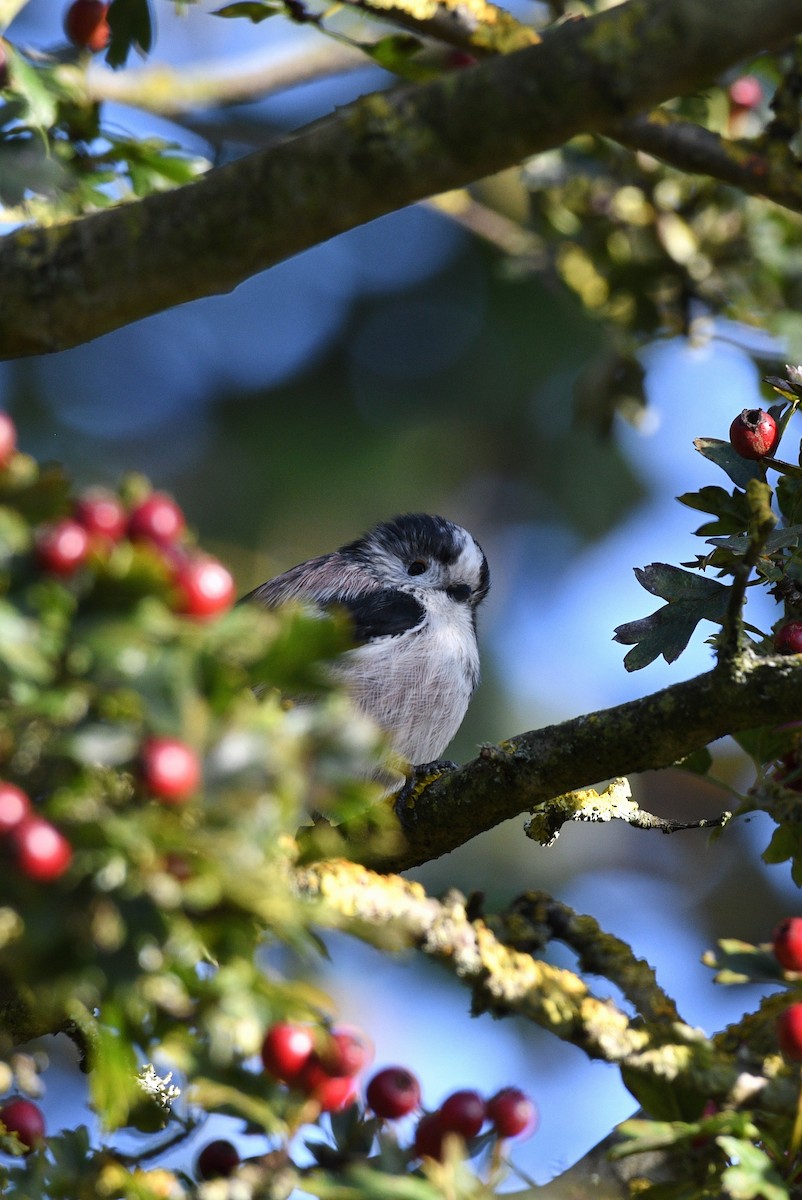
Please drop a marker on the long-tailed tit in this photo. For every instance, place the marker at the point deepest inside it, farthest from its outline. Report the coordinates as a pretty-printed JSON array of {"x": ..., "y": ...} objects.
[{"x": 411, "y": 586}]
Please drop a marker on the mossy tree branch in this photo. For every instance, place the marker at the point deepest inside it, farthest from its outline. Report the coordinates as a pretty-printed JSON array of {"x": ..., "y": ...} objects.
[
  {"x": 69, "y": 283},
  {"x": 653, "y": 732}
]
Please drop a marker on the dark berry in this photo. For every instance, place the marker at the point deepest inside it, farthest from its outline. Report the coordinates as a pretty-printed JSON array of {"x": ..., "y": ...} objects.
[
  {"x": 457, "y": 59},
  {"x": 745, "y": 93},
  {"x": 85, "y": 24},
  {"x": 787, "y": 943},
  {"x": 753, "y": 433},
  {"x": 156, "y": 519},
  {"x": 8, "y": 435},
  {"x": 429, "y": 1136},
  {"x": 205, "y": 587},
  {"x": 24, "y": 1118},
  {"x": 14, "y": 807},
  {"x": 63, "y": 547},
  {"x": 286, "y": 1050},
  {"x": 101, "y": 513},
  {"x": 217, "y": 1160},
  {"x": 4, "y": 72},
  {"x": 393, "y": 1093},
  {"x": 511, "y": 1113},
  {"x": 789, "y": 1032},
  {"x": 345, "y": 1052},
  {"x": 170, "y": 769},
  {"x": 463, "y": 1113},
  {"x": 42, "y": 852},
  {"x": 788, "y": 638}
]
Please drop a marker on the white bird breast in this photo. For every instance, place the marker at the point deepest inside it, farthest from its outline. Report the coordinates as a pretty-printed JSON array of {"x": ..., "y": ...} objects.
[{"x": 417, "y": 685}]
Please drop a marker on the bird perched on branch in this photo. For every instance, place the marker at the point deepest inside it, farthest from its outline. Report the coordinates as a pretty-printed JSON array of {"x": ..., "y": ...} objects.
[{"x": 411, "y": 586}]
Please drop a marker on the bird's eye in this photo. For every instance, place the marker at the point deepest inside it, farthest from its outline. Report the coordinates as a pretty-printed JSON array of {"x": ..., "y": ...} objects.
[{"x": 417, "y": 567}]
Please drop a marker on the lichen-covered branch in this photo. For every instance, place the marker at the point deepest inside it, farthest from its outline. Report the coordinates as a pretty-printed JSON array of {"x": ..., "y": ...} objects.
[
  {"x": 654, "y": 1045},
  {"x": 69, "y": 283},
  {"x": 656, "y": 731}
]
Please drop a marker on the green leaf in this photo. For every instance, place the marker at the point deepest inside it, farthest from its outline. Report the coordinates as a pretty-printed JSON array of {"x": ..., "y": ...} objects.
[
  {"x": 396, "y": 53},
  {"x": 740, "y": 962},
  {"x": 730, "y": 509},
  {"x": 131, "y": 25},
  {"x": 40, "y": 100},
  {"x": 254, "y": 10},
  {"x": 691, "y": 599},
  {"x": 698, "y": 762},
  {"x": 752, "y": 1172},
  {"x": 113, "y": 1078},
  {"x": 740, "y": 470},
  {"x": 789, "y": 498}
]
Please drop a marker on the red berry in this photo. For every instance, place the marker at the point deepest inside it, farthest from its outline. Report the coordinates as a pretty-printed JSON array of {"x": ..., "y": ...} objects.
[
  {"x": 14, "y": 807},
  {"x": 42, "y": 852},
  {"x": 85, "y": 24},
  {"x": 745, "y": 93},
  {"x": 8, "y": 430},
  {"x": 157, "y": 519},
  {"x": 101, "y": 513},
  {"x": 789, "y": 1032},
  {"x": 333, "y": 1093},
  {"x": 753, "y": 433},
  {"x": 217, "y": 1159},
  {"x": 286, "y": 1050},
  {"x": 788, "y": 638},
  {"x": 393, "y": 1093},
  {"x": 63, "y": 547},
  {"x": 205, "y": 587},
  {"x": 461, "y": 58},
  {"x": 787, "y": 943},
  {"x": 463, "y": 1113},
  {"x": 429, "y": 1137},
  {"x": 24, "y": 1118},
  {"x": 346, "y": 1052},
  {"x": 170, "y": 769},
  {"x": 511, "y": 1113}
]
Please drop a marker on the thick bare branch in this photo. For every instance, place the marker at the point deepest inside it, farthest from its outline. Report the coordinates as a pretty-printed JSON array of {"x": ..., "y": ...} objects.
[
  {"x": 656, "y": 731},
  {"x": 72, "y": 282}
]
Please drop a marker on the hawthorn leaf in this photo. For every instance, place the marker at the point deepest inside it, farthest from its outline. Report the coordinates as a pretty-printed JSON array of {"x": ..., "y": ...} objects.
[
  {"x": 751, "y": 1173},
  {"x": 740, "y": 470},
  {"x": 731, "y": 510},
  {"x": 691, "y": 599},
  {"x": 131, "y": 25},
  {"x": 254, "y": 10}
]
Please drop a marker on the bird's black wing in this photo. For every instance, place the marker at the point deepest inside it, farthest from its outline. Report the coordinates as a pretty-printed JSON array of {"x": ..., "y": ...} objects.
[{"x": 386, "y": 613}]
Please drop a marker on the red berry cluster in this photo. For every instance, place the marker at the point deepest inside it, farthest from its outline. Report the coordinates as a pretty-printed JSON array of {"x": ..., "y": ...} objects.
[
  {"x": 326, "y": 1070},
  {"x": 509, "y": 1112},
  {"x": 86, "y": 24},
  {"x": 787, "y": 946},
  {"x": 203, "y": 586},
  {"x": 41, "y": 852}
]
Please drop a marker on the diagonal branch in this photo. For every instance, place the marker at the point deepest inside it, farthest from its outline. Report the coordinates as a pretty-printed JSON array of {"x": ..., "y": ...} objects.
[
  {"x": 67, "y": 284},
  {"x": 656, "y": 731}
]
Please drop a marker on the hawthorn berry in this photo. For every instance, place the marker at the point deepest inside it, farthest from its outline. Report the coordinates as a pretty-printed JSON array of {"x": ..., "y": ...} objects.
[
  {"x": 787, "y": 943},
  {"x": 464, "y": 1113},
  {"x": 753, "y": 433},
  {"x": 156, "y": 519},
  {"x": 24, "y": 1118},
  {"x": 101, "y": 513},
  {"x": 8, "y": 430},
  {"x": 745, "y": 93},
  {"x": 332, "y": 1092},
  {"x": 788, "y": 638},
  {"x": 429, "y": 1135},
  {"x": 346, "y": 1052},
  {"x": 170, "y": 769},
  {"x": 205, "y": 587},
  {"x": 62, "y": 548},
  {"x": 43, "y": 853},
  {"x": 286, "y": 1050},
  {"x": 393, "y": 1093},
  {"x": 511, "y": 1112},
  {"x": 14, "y": 807},
  {"x": 789, "y": 1032},
  {"x": 217, "y": 1160},
  {"x": 86, "y": 24}
]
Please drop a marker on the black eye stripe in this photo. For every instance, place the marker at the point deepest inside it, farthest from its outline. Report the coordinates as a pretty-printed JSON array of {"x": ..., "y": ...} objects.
[{"x": 459, "y": 592}]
